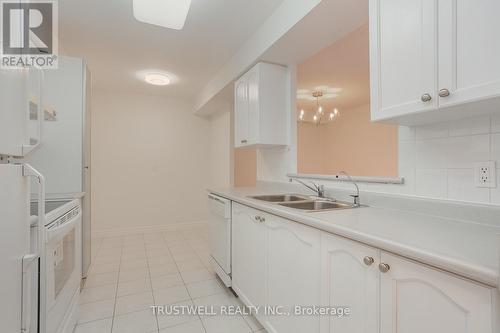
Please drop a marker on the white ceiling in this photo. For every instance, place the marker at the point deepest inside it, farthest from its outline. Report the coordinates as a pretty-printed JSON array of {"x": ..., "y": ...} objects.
[
  {"x": 327, "y": 23},
  {"x": 116, "y": 46}
]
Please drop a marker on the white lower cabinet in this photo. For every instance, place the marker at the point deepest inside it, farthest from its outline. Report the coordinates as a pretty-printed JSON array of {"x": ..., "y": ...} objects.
[
  {"x": 276, "y": 265},
  {"x": 350, "y": 278},
  {"x": 249, "y": 252},
  {"x": 293, "y": 279},
  {"x": 277, "y": 262},
  {"x": 415, "y": 299}
]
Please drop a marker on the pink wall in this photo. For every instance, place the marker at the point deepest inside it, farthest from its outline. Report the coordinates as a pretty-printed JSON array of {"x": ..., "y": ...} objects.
[
  {"x": 245, "y": 167},
  {"x": 351, "y": 143},
  {"x": 309, "y": 148}
]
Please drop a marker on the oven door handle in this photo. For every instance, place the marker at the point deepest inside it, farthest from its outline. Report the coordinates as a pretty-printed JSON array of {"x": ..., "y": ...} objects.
[{"x": 60, "y": 231}]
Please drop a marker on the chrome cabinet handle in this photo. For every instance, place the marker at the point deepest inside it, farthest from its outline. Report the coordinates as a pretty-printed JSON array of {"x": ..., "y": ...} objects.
[
  {"x": 426, "y": 98},
  {"x": 444, "y": 93},
  {"x": 368, "y": 261},
  {"x": 384, "y": 268}
]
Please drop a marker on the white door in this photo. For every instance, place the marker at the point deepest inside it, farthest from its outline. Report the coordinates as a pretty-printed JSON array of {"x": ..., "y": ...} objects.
[
  {"x": 469, "y": 50},
  {"x": 248, "y": 255},
  {"x": 416, "y": 299},
  {"x": 241, "y": 112},
  {"x": 87, "y": 175},
  {"x": 19, "y": 266},
  {"x": 252, "y": 78},
  {"x": 293, "y": 274},
  {"x": 349, "y": 277},
  {"x": 403, "y": 57},
  {"x": 220, "y": 231}
]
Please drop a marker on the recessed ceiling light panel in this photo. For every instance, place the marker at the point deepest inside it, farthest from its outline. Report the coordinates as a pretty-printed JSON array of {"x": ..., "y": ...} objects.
[
  {"x": 166, "y": 13},
  {"x": 157, "y": 79}
]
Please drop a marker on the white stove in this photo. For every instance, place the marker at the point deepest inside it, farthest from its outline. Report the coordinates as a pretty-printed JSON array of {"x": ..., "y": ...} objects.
[{"x": 63, "y": 255}]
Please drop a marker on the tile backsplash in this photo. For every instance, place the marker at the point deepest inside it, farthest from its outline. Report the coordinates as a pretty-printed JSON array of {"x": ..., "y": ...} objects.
[{"x": 438, "y": 160}]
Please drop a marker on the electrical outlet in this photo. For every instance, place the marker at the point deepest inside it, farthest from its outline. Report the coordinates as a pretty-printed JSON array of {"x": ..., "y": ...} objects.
[{"x": 485, "y": 174}]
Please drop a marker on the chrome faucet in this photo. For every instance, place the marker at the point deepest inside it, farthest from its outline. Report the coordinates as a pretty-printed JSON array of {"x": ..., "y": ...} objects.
[
  {"x": 319, "y": 189},
  {"x": 354, "y": 196}
]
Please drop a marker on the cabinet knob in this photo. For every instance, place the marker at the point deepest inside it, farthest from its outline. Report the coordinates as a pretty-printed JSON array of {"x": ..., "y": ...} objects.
[
  {"x": 368, "y": 261},
  {"x": 384, "y": 268},
  {"x": 426, "y": 98},
  {"x": 444, "y": 93},
  {"x": 244, "y": 141},
  {"x": 257, "y": 218}
]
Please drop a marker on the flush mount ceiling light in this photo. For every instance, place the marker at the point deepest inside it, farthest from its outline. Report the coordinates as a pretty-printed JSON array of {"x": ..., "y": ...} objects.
[
  {"x": 157, "y": 79},
  {"x": 165, "y": 13}
]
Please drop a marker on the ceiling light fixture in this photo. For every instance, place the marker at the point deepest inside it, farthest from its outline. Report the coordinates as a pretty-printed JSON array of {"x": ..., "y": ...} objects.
[
  {"x": 170, "y": 14},
  {"x": 319, "y": 115},
  {"x": 157, "y": 79}
]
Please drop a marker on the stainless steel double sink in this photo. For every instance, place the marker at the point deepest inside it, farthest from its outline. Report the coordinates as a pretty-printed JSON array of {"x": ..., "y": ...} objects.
[{"x": 303, "y": 202}]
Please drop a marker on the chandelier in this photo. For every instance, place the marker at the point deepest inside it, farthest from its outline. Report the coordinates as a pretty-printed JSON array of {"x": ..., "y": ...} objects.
[{"x": 320, "y": 116}]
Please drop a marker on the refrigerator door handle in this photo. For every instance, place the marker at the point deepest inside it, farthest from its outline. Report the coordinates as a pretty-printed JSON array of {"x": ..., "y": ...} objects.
[
  {"x": 29, "y": 171},
  {"x": 28, "y": 261}
]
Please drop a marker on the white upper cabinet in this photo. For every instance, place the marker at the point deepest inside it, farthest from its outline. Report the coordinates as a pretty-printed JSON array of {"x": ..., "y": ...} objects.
[
  {"x": 403, "y": 57},
  {"x": 469, "y": 51},
  {"x": 430, "y": 60},
  {"x": 241, "y": 112},
  {"x": 260, "y": 107},
  {"x": 415, "y": 299}
]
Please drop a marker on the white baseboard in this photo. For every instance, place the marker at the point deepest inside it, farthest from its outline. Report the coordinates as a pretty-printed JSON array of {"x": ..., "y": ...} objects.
[{"x": 100, "y": 233}]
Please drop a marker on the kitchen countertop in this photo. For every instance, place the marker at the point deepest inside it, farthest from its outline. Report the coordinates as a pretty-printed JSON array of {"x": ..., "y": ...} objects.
[{"x": 467, "y": 249}]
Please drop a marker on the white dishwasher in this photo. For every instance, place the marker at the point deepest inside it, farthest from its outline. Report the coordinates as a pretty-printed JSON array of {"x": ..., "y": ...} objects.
[{"x": 220, "y": 237}]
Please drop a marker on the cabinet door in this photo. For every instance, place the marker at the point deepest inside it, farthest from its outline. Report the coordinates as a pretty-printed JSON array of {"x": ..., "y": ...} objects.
[
  {"x": 253, "y": 83},
  {"x": 248, "y": 255},
  {"x": 241, "y": 112},
  {"x": 416, "y": 299},
  {"x": 403, "y": 57},
  {"x": 293, "y": 274},
  {"x": 346, "y": 280},
  {"x": 469, "y": 50}
]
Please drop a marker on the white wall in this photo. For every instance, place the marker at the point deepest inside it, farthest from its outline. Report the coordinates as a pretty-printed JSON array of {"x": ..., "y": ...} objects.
[
  {"x": 436, "y": 161},
  {"x": 220, "y": 150},
  {"x": 149, "y": 162}
]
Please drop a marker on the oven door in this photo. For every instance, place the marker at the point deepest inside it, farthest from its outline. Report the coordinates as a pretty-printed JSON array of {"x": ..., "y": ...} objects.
[{"x": 63, "y": 250}]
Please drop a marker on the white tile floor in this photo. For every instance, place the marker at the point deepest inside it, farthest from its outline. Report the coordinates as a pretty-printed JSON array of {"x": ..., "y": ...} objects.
[{"x": 131, "y": 273}]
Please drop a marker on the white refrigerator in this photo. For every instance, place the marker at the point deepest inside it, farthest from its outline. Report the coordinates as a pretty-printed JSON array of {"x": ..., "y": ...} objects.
[
  {"x": 22, "y": 291},
  {"x": 64, "y": 156}
]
